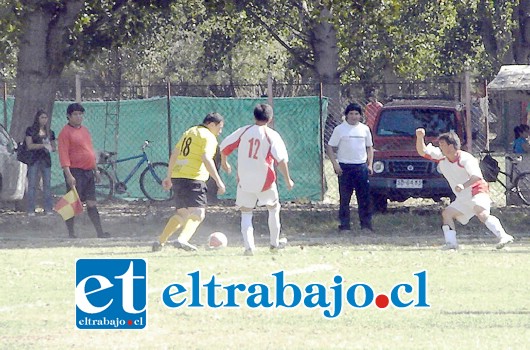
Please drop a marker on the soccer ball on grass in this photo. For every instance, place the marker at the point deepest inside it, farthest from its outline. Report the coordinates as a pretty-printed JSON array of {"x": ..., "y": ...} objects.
[{"x": 217, "y": 240}]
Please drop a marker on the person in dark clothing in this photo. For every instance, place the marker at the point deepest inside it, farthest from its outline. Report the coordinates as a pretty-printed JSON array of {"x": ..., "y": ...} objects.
[
  {"x": 40, "y": 141},
  {"x": 352, "y": 164}
]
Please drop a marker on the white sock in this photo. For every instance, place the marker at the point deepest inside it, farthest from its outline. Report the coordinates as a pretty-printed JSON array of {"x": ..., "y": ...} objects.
[
  {"x": 274, "y": 225},
  {"x": 449, "y": 234},
  {"x": 494, "y": 225},
  {"x": 247, "y": 230}
]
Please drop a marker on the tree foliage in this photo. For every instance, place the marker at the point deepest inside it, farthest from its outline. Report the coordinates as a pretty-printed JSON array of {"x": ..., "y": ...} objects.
[
  {"x": 241, "y": 41},
  {"x": 55, "y": 33}
]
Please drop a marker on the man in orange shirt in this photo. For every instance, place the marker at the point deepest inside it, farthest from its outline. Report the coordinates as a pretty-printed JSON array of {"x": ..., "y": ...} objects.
[{"x": 78, "y": 160}]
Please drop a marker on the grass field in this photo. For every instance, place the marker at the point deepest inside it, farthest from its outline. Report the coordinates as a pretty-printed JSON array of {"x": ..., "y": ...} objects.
[{"x": 479, "y": 297}]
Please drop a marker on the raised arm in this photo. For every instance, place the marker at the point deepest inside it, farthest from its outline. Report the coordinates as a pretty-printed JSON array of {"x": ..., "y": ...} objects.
[{"x": 420, "y": 141}]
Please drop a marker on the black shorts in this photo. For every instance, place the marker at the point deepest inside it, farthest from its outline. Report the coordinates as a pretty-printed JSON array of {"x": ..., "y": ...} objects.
[
  {"x": 189, "y": 193},
  {"x": 85, "y": 184}
]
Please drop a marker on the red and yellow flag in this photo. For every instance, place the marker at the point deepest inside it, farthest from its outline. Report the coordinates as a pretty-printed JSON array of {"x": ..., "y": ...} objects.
[{"x": 69, "y": 205}]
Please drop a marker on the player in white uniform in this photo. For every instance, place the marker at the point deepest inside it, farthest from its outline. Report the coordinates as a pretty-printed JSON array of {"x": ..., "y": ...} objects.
[
  {"x": 463, "y": 173},
  {"x": 259, "y": 149}
]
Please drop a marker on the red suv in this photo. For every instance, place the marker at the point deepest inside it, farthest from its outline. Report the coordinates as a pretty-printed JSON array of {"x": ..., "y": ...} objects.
[{"x": 399, "y": 172}]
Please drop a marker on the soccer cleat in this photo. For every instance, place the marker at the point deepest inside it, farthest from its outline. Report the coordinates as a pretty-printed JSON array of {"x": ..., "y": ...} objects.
[
  {"x": 450, "y": 246},
  {"x": 344, "y": 228},
  {"x": 507, "y": 239},
  {"x": 104, "y": 235},
  {"x": 248, "y": 252},
  {"x": 72, "y": 235},
  {"x": 157, "y": 247},
  {"x": 185, "y": 246},
  {"x": 275, "y": 249}
]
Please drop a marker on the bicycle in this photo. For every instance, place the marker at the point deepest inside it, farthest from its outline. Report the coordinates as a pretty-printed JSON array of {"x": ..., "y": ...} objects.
[
  {"x": 519, "y": 180},
  {"x": 150, "y": 178}
]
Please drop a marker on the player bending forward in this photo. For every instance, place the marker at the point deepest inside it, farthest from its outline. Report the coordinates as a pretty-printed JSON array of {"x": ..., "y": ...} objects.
[
  {"x": 259, "y": 148},
  {"x": 463, "y": 173},
  {"x": 190, "y": 165}
]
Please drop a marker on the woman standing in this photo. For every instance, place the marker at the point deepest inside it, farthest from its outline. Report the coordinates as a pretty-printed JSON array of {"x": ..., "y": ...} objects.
[{"x": 40, "y": 141}]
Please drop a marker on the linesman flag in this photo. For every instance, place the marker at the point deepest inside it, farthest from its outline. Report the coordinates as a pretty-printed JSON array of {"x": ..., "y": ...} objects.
[{"x": 69, "y": 205}]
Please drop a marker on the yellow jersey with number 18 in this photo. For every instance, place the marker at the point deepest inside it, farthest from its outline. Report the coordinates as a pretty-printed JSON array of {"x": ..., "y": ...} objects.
[{"x": 195, "y": 142}]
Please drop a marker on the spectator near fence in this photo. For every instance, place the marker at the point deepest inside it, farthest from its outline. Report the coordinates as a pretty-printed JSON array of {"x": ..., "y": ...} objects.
[
  {"x": 78, "y": 160},
  {"x": 352, "y": 164},
  {"x": 40, "y": 141},
  {"x": 520, "y": 142},
  {"x": 371, "y": 109}
]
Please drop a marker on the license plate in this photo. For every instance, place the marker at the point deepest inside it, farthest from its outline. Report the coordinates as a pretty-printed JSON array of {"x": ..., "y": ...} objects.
[{"x": 409, "y": 183}]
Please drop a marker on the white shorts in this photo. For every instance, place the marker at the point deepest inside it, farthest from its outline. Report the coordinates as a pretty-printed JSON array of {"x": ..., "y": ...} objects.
[
  {"x": 249, "y": 199},
  {"x": 466, "y": 205}
]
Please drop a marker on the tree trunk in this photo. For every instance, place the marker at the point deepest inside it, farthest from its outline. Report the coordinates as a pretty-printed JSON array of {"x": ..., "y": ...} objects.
[
  {"x": 514, "y": 46},
  {"x": 43, "y": 54},
  {"x": 323, "y": 40},
  {"x": 390, "y": 78},
  {"x": 521, "y": 33}
]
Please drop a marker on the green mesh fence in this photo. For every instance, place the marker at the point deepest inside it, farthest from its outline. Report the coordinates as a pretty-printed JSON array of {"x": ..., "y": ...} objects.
[{"x": 124, "y": 126}]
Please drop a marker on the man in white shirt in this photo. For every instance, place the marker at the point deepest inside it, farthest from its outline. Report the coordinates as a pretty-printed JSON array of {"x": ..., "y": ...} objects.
[
  {"x": 463, "y": 173},
  {"x": 259, "y": 148},
  {"x": 352, "y": 164}
]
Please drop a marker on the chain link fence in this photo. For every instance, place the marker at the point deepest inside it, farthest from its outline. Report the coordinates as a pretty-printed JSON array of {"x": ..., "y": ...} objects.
[{"x": 121, "y": 117}]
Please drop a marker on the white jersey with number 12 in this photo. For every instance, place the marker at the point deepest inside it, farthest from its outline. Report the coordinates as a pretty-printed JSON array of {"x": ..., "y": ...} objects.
[{"x": 259, "y": 147}]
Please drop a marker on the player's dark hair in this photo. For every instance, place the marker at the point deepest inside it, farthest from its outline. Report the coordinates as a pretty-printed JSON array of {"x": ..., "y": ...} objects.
[
  {"x": 212, "y": 118},
  {"x": 451, "y": 138},
  {"x": 75, "y": 107},
  {"x": 263, "y": 112},
  {"x": 353, "y": 107}
]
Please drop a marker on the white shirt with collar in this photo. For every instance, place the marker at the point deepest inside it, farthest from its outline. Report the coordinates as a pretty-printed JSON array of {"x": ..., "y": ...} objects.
[{"x": 351, "y": 141}]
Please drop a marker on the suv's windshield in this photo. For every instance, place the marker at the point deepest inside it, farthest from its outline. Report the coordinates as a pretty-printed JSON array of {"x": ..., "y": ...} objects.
[{"x": 404, "y": 122}]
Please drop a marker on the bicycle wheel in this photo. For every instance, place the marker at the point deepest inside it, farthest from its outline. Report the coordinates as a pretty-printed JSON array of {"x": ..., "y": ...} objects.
[
  {"x": 151, "y": 182},
  {"x": 522, "y": 184},
  {"x": 105, "y": 186}
]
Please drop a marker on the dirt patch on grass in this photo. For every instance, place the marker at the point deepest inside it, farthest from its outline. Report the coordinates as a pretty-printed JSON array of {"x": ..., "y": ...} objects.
[{"x": 139, "y": 224}]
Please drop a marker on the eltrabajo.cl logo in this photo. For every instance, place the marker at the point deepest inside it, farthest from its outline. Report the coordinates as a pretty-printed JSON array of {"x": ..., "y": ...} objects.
[
  {"x": 280, "y": 293},
  {"x": 111, "y": 293}
]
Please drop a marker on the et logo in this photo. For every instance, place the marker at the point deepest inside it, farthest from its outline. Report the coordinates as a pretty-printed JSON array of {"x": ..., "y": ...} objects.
[{"x": 111, "y": 293}]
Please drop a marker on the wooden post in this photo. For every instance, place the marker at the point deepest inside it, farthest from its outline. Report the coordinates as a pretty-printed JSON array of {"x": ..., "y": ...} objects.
[
  {"x": 322, "y": 146},
  {"x": 5, "y": 106},
  {"x": 269, "y": 89},
  {"x": 169, "y": 130},
  {"x": 269, "y": 96},
  {"x": 469, "y": 144},
  {"x": 487, "y": 113},
  {"x": 77, "y": 88}
]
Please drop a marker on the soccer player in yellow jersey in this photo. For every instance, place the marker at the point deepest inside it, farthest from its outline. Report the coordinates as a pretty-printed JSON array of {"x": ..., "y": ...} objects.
[{"x": 190, "y": 165}]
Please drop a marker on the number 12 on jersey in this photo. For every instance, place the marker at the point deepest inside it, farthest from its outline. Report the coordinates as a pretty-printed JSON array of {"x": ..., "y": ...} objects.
[{"x": 253, "y": 149}]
